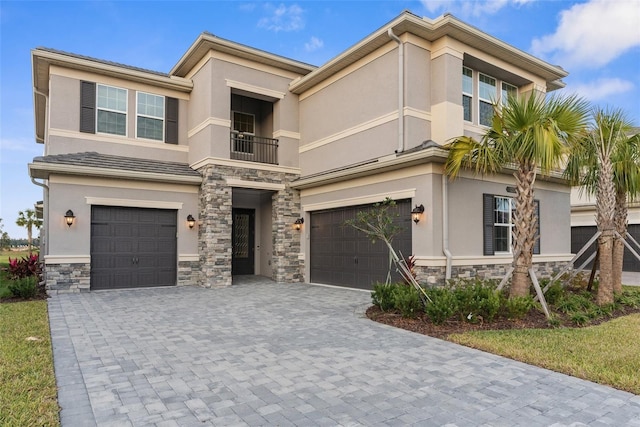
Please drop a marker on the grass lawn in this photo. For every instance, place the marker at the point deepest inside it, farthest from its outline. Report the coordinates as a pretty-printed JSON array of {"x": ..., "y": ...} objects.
[
  {"x": 28, "y": 395},
  {"x": 608, "y": 353}
]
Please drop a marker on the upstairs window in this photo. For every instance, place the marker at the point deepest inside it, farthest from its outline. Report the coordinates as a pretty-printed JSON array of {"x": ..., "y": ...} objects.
[
  {"x": 467, "y": 92},
  {"x": 486, "y": 94},
  {"x": 243, "y": 123},
  {"x": 111, "y": 110},
  {"x": 150, "y": 116},
  {"x": 508, "y": 91}
]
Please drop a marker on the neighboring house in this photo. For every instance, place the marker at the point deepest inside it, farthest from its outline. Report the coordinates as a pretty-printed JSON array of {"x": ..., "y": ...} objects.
[
  {"x": 269, "y": 156},
  {"x": 583, "y": 227}
]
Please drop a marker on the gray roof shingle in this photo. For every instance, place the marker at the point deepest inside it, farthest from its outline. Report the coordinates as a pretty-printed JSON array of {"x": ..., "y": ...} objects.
[{"x": 106, "y": 161}]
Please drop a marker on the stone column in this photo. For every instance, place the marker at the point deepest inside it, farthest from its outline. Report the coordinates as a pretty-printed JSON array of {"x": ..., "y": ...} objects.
[
  {"x": 214, "y": 231},
  {"x": 286, "y": 240}
]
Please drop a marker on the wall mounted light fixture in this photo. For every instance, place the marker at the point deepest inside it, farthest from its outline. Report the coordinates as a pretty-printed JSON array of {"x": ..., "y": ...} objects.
[
  {"x": 416, "y": 213},
  {"x": 298, "y": 224},
  {"x": 69, "y": 217},
  {"x": 191, "y": 221}
]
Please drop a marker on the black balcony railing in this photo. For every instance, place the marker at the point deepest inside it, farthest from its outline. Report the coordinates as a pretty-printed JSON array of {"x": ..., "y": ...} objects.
[{"x": 254, "y": 148}]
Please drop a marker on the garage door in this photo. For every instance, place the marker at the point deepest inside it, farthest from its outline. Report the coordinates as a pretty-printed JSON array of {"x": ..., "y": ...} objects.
[
  {"x": 132, "y": 247},
  {"x": 344, "y": 256},
  {"x": 581, "y": 235}
]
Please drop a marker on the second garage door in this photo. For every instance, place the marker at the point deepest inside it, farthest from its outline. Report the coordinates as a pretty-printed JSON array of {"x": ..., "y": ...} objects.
[
  {"x": 132, "y": 247},
  {"x": 344, "y": 256},
  {"x": 581, "y": 235}
]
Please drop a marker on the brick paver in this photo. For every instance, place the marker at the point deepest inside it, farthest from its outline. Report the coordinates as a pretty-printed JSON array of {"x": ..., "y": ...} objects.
[{"x": 261, "y": 353}]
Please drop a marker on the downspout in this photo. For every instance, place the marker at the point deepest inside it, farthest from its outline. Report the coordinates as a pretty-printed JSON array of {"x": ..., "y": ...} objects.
[
  {"x": 400, "y": 90},
  {"x": 445, "y": 226},
  {"x": 46, "y": 117},
  {"x": 45, "y": 215}
]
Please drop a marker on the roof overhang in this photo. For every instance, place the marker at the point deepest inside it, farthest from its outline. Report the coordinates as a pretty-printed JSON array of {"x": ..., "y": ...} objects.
[
  {"x": 432, "y": 30},
  {"x": 42, "y": 170},
  {"x": 206, "y": 42}
]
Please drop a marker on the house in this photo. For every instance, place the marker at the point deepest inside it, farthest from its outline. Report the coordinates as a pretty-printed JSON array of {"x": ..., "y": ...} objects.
[{"x": 238, "y": 161}]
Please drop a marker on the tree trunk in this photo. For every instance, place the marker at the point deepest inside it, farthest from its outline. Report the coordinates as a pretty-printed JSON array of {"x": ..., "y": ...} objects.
[
  {"x": 605, "y": 288},
  {"x": 524, "y": 230},
  {"x": 29, "y": 237},
  {"x": 620, "y": 220},
  {"x": 605, "y": 202}
]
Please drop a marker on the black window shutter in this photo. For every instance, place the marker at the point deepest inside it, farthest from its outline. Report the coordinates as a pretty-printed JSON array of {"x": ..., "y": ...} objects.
[
  {"x": 87, "y": 107},
  {"x": 171, "y": 121},
  {"x": 487, "y": 215},
  {"x": 536, "y": 245}
]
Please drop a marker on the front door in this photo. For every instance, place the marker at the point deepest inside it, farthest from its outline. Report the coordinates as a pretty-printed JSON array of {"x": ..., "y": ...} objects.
[{"x": 243, "y": 239}]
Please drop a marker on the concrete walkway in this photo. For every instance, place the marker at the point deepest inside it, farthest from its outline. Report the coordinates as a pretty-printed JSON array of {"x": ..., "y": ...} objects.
[{"x": 280, "y": 354}]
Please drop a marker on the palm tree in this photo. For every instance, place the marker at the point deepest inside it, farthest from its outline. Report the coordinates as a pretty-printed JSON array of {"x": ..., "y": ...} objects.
[
  {"x": 533, "y": 133},
  {"x": 28, "y": 220},
  {"x": 605, "y": 162}
]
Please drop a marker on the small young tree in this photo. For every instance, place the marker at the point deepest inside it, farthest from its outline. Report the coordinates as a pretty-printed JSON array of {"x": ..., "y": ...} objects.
[
  {"x": 28, "y": 220},
  {"x": 5, "y": 240}
]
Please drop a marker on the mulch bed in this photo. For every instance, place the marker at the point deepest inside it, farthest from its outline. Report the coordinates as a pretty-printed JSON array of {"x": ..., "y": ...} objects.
[{"x": 533, "y": 320}]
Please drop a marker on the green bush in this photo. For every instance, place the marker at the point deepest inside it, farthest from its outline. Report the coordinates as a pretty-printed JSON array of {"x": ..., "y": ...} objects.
[
  {"x": 580, "y": 318},
  {"x": 477, "y": 299},
  {"x": 444, "y": 305},
  {"x": 628, "y": 298},
  {"x": 554, "y": 293},
  {"x": 575, "y": 302},
  {"x": 382, "y": 296},
  {"x": 518, "y": 307},
  {"x": 27, "y": 287},
  {"x": 407, "y": 300}
]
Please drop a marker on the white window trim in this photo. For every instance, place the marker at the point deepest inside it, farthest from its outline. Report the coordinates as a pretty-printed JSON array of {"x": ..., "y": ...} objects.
[
  {"x": 126, "y": 111},
  {"x": 500, "y": 224},
  {"x": 164, "y": 114},
  {"x": 470, "y": 95}
]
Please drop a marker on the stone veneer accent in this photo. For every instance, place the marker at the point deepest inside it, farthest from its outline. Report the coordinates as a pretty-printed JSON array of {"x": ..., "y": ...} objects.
[
  {"x": 215, "y": 222},
  {"x": 188, "y": 273},
  {"x": 67, "y": 278},
  {"x": 434, "y": 276}
]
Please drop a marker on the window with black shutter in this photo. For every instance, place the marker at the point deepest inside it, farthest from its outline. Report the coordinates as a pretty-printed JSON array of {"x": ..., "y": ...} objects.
[
  {"x": 493, "y": 213},
  {"x": 87, "y": 107}
]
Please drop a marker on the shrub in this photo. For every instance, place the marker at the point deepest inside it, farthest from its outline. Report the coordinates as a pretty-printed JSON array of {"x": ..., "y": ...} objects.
[
  {"x": 24, "y": 267},
  {"x": 26, "y": 287},
  {"x": 629, "y": 299},
  {"x": 382, "y": 296},
  {"x": 518, "y": 307},
  {"x": 443, "y": 305},
  {"x": 554, "y": 293},
  {"x": 477, "y": 299},
  {"x": 580, "y": 318},
  {"x": 407, "y": 300}
]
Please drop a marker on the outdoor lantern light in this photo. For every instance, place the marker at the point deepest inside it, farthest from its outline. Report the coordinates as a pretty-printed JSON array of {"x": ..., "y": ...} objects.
[
  {"x": 298, "y": 224},
  {"x": 69, "y": 217},
  {"x": 416, "y": 213},
  {"x": 191, "y": 221}
]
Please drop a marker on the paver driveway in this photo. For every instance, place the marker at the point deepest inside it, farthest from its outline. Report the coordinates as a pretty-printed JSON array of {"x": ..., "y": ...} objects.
[{"x": 285, "y": 354}]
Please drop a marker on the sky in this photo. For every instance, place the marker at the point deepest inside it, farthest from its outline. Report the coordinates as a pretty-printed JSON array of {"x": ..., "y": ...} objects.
[{"x": 596, "y": 41}]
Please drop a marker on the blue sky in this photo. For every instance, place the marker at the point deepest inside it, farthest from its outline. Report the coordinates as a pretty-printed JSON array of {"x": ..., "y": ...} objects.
[{"x": 597, "y": 41}]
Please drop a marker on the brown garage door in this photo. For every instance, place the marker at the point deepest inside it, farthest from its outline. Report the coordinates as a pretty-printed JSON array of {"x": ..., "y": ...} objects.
[
  {"x": 344, "y": 256},
  {"x": 581, "y": 235},
  {"x": 132, "y": 247}
]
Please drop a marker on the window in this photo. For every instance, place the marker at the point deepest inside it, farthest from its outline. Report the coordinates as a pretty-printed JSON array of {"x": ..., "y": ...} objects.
[
  {"x": 467, "y": 92},
  {"x": 486, "y": 95},
  {"x": 243, "y": 128},
  {"x": 498, "y": 225},
  {"x": 103, "y": 109},
  {"x": 508, "y": 91},
  {"x": 150, "y": 117},
  {"x": 503, "y": 209},
  {"x": 111, "y": 110}
]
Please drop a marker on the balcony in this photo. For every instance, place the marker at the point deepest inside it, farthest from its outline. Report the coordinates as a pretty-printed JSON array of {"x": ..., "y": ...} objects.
[{"x": 253, "y": 148}]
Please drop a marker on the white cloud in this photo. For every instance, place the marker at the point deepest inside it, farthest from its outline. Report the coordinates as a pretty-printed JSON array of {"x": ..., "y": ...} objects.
[
  {"x": 19, "y": 145},
  {"x": 592, "y": 34},
  {"x": 313, "y": 44},
  {"x": 282, "y": 18},
  {"x": 601, "y": 89},
  {"x": 247, "y": 7},
  {"x": 469, "y": 8}
]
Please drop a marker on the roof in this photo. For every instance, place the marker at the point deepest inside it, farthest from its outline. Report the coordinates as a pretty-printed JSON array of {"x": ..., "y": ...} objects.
[
  {"x": 432, "y": 30},
  {"x": 96, "y": 164},
  {"x": 207, "y": 41}
]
